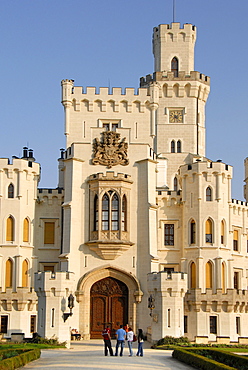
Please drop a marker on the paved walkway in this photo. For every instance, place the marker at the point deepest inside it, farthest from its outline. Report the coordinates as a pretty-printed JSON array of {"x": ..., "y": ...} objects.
[{"x": 88, "y": 355}]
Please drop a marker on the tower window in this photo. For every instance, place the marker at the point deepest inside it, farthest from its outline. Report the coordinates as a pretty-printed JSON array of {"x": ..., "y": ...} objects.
[
  {"x": 222, "y": 232},
  {"x": 26, "y": 230},
  {"x": 209, "y": 231},
  {"x": 11, "y": 191},
  {"x": 49, "y": 232},
  {"x": 208, "y": 194},
  {"x": 179, "y": 149},
  {"x": 192, "y": 232},
  {"x": 174, "y": 66},
  {"x": 209, "y": 278},
  {"x": 169, "y": 234},
  {"x": 10, "y": 229},
  {"x": 173, "y": 149}
]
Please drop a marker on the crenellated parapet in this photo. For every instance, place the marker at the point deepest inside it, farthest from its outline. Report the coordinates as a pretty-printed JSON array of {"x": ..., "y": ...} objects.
[
  {"x": 110, "y": 176},
  {"x": 19, "y": 164},
  {"x": 54, "y": 284},
  {"x": 194, "y": 85},
  {"x": 76, "y": 95}
]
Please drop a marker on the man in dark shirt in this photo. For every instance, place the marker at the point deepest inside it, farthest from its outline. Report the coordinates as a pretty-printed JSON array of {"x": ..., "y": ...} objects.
[{"x": 107, "y": 341}]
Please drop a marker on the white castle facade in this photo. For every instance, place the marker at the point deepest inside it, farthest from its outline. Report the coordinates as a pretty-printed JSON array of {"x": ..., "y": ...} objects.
[{"x": 140, "y": 216}]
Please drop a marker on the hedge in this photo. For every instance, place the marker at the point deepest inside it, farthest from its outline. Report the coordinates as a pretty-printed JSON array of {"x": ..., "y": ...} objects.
[
  {"x": 21, "y": 359},
  {"x": 198, "y": 361},
  {"x": 227, "y": 358}
]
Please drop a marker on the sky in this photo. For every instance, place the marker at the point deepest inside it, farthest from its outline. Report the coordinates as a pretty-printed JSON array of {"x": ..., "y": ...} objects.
[{"x": 109, "y": 43}]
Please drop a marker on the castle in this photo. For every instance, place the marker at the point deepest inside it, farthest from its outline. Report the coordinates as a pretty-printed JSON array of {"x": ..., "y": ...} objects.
[{"x": 141, "y": 229}]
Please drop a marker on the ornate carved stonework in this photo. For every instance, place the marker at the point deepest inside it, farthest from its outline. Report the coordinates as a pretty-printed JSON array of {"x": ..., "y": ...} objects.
[
  {"x": 109, "y": 286},
  {"x": 110, "y": 151}
]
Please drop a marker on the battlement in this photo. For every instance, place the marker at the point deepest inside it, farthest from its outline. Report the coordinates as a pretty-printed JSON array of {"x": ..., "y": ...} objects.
[
  {"x": 19, "y": 164},
  {"x": 79, "y": 93},
  {"x": 175, "y": 27},
  {"x": 205, "y": 165},
  {"x": 56, "y": 191},
  {"x": 60, "y": 281},
  {"x": 110, "y": 176},
  {"x": 169, "y": 76},
  {"x": 167, "y": 281}
]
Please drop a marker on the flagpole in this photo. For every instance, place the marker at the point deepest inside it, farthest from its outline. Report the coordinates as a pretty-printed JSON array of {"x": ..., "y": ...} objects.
[{"x": 174, "y": 11}]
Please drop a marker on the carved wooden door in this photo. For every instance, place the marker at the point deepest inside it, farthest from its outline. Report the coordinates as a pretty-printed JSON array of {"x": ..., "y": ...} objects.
[{"x": 109, "y": 305}]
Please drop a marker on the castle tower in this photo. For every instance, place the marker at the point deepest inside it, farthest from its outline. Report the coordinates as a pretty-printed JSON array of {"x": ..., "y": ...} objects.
[
  {"x": 171, "y": 41},
  {"x": 183, "y": 92}
]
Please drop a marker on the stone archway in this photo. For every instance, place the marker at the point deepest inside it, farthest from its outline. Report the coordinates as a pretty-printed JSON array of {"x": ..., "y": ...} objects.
[{"x": 83, "y": 295}]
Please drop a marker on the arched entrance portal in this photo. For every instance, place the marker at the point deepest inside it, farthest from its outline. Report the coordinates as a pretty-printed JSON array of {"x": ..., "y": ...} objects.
[{"x": 109, "y": 305}]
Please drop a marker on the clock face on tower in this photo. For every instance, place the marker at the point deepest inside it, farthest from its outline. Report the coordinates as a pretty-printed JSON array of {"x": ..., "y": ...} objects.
[{"x": 176, "y": 116}]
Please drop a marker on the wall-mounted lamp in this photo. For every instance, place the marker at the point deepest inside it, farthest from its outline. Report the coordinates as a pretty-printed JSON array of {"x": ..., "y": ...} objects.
[
  {"x": 70, "y": 305},
  {"x": 151, "y": 304}
]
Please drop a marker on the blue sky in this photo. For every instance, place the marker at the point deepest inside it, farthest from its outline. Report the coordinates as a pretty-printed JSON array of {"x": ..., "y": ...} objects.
[{"x": 98, "y": 43}]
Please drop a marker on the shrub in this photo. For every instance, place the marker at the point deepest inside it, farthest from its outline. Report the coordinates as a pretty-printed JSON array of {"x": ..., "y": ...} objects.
[
  {"x": 21, "y": 358},
  {"x": 173, "y": 341},
  {"x": 198, "y": 361}
]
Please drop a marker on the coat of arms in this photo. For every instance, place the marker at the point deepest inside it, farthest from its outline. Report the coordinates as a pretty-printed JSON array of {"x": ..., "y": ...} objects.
[{"x": 110, "y": 151}]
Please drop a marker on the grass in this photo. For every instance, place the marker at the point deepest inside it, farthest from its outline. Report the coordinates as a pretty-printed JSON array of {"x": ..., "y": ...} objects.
[{"x": 28, "y": 346}]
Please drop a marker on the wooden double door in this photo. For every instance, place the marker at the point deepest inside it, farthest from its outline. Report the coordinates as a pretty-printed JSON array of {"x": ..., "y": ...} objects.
[{"x": 109, "y": 306}]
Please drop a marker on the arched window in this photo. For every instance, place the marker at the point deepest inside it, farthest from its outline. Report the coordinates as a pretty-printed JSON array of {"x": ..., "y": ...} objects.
[
  {"x": 124, "y": 213},
  {"x": 192, "y": 275},
  {"x": 115, "y": 213},
  {"x": 105, "y": 212},
  {"x": 10, "y": 229},
  {"x": 26, "y": 230},
  {"x": 209, "y": 275},
  {"x": 223, "y": 277},
  {"x": 209, "y": 231},
  {"x": 174, "y": 66},
  {"x": 222, "y": 235},
  {"x": 96, "y": 215},
  {"x": 192, "y": 232},
  {"x": 11, "y": 191},
  {"x": 173, "y": 149},
  {"x": 208, "y": 194},
  {"x": 9, "y": 274},
  {"x": 25, "y": 273},
  {"x": 179, "y": 149},
  {"x": 175, "y": 184}
]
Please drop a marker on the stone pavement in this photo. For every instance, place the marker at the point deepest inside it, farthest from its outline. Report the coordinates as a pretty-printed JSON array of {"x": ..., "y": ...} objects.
[{"x": 88, "y": 355}]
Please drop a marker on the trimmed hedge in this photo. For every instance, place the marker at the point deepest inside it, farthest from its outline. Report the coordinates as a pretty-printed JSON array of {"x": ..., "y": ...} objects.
[
  {"x": 21, "y": 359},
  {"x": 227, "y": 358},
  {"x": 198, "y": 361}
]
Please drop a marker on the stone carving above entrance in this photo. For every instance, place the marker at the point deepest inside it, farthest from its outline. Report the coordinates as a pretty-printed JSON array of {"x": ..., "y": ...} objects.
[{"x": 110, "y": 151}]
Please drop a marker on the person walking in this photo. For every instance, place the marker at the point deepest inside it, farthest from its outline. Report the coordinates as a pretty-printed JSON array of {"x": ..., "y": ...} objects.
[
  {"x": 120, "y": 337},
  {"x": 140, "y": 343},
  {"x": 130, "y": 341},
  {"x": 107, "y": 341}
]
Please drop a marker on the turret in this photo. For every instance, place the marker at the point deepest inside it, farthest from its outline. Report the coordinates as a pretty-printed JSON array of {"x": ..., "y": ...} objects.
[{"x": 173, "y": 48}]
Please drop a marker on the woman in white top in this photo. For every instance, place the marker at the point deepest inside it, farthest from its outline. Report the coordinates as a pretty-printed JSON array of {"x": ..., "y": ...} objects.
[{"x": 130, "y": 341}]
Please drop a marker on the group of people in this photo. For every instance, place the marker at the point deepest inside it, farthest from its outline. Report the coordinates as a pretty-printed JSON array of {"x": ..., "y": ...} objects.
[{"x": 123, "y": 334}]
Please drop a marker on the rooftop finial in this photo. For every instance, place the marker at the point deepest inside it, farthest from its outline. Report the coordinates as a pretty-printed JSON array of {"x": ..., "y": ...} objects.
[{"x": 174, "y": 10}]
